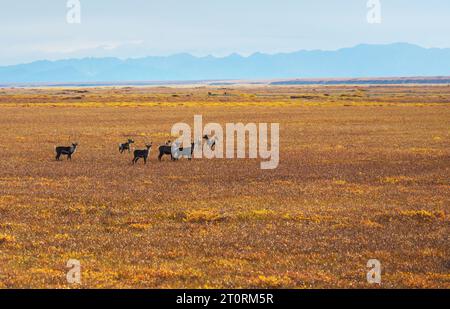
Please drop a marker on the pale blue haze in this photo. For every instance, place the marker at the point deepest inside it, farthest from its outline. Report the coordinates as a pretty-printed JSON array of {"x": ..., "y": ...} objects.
[
  {"x": 34, "y": 30},
  {"x": 138, "y": 40}
]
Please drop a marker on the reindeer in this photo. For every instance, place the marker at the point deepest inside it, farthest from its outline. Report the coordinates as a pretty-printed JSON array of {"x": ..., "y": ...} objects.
[
  {"x": 211, "y": 142},
  {"x": 66, "y": 151},
  {"x": 165, "y": 150},
  {"x": 181, "y": 151},
  {"x": 142, "y": 154},
  {"x": 177, "y": 151},
  {"x": 126, "y": 146}
]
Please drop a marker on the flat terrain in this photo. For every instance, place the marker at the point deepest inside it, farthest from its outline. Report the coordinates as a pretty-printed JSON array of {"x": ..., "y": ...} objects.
[{"x": 364, "y": 174}]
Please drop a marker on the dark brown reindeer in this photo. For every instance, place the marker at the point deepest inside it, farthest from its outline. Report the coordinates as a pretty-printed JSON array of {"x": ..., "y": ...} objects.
[
  {"x": 165, "y": 150},
  {"x": 176, "y": 152},
  {"x": 66, "y": 151},
  {"x": 142, "y": 154},
  {"x": 185, "y": 151},
  {"x": 211, "y": 142},
  {"x": 126, "y": 146}
]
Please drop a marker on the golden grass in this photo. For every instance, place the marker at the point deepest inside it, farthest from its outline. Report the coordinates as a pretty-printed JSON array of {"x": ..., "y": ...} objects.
[{"x": 363, "y": 174}]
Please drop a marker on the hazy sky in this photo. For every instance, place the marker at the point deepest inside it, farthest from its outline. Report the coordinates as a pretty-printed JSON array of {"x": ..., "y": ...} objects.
[{"x": 38, "y": 29}]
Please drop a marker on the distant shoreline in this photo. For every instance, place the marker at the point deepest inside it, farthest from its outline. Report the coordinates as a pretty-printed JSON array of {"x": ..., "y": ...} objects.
[{"x": 436, "y": 80}]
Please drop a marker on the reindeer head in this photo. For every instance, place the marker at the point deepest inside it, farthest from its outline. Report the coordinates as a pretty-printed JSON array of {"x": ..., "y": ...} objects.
[
  {"x": 130, "y": 141},
  {"x": 206, "y": 137},
  {"x": 149, "y": 145}
]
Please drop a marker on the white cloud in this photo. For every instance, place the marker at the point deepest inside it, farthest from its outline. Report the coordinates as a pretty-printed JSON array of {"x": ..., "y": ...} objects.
[{"x": 77, "y": 47}]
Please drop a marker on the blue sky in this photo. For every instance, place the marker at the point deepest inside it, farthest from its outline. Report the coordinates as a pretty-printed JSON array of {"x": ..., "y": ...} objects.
[{"x": 33, "y": 30}]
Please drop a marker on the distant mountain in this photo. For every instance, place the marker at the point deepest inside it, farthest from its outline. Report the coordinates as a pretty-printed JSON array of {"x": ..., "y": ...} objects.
[{"x": 391, "y": 60}]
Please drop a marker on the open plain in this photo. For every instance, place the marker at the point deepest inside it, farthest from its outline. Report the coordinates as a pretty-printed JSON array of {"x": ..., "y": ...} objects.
[{"x": 363, "y": 174}]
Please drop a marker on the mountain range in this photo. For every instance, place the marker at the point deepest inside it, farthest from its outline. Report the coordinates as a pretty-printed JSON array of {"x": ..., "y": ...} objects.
[{"x": 398, "y": 59}]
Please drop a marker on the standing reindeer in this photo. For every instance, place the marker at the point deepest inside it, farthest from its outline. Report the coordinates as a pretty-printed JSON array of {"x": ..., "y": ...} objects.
[
  {"x": 211, "y": 142},
  {"x": 66, "y": 151},
  {"x": 126, "y": 146},
  {"x": 166, "y": 149},
  {"x": 142, "y": 154},
  {"x": 185, "y": 151},
  {"x": 175, "y": 151}
]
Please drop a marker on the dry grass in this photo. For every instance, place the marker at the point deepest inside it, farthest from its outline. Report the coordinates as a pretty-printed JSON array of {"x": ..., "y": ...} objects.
[{"x": 364, "y": 173}]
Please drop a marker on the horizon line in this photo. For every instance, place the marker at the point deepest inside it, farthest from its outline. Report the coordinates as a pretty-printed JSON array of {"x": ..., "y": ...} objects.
[{"x": 324, "y": 81}]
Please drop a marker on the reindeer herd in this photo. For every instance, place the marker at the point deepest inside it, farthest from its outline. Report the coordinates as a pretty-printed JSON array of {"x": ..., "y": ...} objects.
[{"x": 173, "y": 150}]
